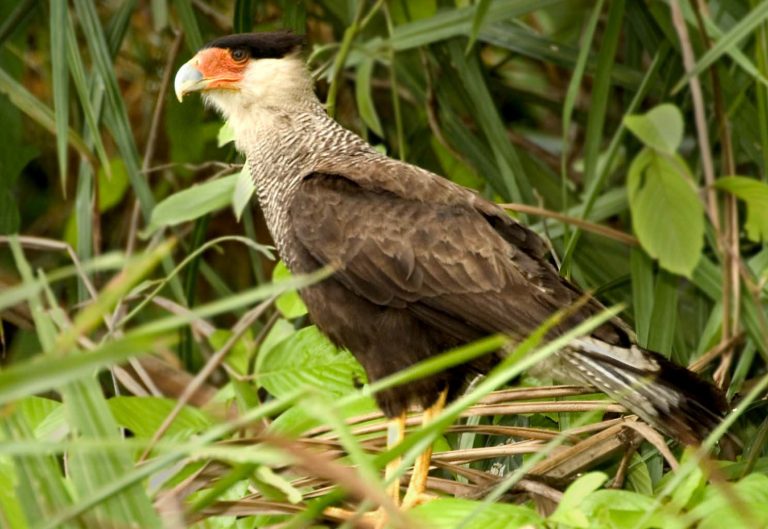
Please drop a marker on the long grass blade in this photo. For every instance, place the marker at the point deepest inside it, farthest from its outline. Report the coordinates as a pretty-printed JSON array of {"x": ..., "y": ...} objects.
[{"x": 60, "y": 78}]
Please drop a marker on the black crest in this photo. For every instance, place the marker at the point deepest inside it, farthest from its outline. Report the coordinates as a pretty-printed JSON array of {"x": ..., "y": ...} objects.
[{"x": 271, "y": 45}]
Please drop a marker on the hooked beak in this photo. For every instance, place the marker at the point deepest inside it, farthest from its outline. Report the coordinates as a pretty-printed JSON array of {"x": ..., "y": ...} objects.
[{"x": 189, "y": 79}]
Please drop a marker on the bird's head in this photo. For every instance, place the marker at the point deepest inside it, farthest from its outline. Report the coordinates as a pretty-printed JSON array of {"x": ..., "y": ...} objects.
[{"x": 247, "y": 70}]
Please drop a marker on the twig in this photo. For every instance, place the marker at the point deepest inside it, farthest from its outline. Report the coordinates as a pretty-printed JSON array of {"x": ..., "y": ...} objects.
[
  {"x": 655, "y": 438},
  {"x": 149, "y": 149},
  {"x": 731, "y": 285},
  {"x": 193, "y": 166},
  {"x": 237, "y": 332},
  {"x": 689, "y": 62},
  {"x": 605, "y": 231},
  {"x": 700, "y": 363}
]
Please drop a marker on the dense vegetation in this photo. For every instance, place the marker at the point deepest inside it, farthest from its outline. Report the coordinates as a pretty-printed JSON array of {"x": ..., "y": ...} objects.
[{"x": 158, "y": 368}]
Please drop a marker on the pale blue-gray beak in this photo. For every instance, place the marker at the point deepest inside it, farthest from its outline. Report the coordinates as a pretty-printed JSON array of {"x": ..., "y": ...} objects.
[{"x": 188, "y": 79}]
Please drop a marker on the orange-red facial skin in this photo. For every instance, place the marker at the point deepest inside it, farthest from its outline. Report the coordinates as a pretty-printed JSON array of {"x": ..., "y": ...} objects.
[{"x": 218, "y": 67}]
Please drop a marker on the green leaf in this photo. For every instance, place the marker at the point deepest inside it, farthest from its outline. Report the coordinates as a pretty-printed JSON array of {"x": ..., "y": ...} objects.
[
  {"x": 364, "y": 98},
  {"x": 35, "y": 409},
  {"x": 226, "y": 135},
  {"x": 307, "y": 358},
  {"x": 660, "y": 128},
  {"x": 638, "y": 476},
  {"x": 240, "y": 355},
  {"x": 244, "y": 189},
  {"x": 451, "y": 512},
  {"x": 144, "y": 415},
  {"x": 750, "y": 511},
  {"x": 569, "y": 511},
  {"x": 112, "y": 184},
  {"x": 667, "y": 215},
  {"x": 755, "y": 194},
  {"x": 192, "y": 203},
  {"x": 289, "y": 304}
]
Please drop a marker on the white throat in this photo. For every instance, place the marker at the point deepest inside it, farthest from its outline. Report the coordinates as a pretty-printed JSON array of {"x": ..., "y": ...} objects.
[{"x": 269, "y": 87}]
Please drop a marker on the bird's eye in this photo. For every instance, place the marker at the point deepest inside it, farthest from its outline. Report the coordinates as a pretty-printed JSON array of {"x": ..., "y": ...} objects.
[{"x": 239, "y": 54}]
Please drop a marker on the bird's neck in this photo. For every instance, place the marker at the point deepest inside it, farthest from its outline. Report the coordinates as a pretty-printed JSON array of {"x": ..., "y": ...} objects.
[{"x": 282, "y": 147}]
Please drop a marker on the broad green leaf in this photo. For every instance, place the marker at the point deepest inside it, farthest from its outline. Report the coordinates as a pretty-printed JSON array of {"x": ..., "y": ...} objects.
[
  {"x": 289, "y": 304},
  {"x": 192, "y": 203},
  {"x": 570, "y": 509},
  {"x": 755, "y": 194},
  {"x": 307, "y": 358},
  {"x": 687, "y": 492},
  {"x": 454, "y": 512},
  {"x": 242, "y": 352},
  {"x": 667, "y": 215},
  {"x": 299, "y": 419},
  {"x": 36, "y": 409},
  {"x": 226, "y": 135},
  {"x": 638, "y": 476},
  {"x": 621, "y": 508},
  {"x": 144, "y": 415},
  {"x": 244, "y": 189},
  {"x": 364, "y": 96},
  {"x": 660, "y": 128},
  {"x": 745, "y": 506},
  {"x": 112, "y": 184}
]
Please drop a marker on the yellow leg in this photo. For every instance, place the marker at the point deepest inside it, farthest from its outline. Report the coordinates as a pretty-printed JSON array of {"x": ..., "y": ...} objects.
[
  {"x": 395, "y": 435},
  {"x": 418, "y": 484}
]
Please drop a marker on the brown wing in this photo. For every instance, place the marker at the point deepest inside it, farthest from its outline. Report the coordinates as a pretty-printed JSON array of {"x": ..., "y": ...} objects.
[{"x": 453, "y": 264}]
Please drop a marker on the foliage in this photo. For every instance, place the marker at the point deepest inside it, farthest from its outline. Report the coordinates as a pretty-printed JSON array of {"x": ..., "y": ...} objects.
[{"x": 158, "y": 368}]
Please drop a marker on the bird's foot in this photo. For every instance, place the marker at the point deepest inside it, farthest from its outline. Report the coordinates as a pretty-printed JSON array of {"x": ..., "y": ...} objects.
[
  {"x": 414, "y": 499},
  {"x": 368, "y": 520}
]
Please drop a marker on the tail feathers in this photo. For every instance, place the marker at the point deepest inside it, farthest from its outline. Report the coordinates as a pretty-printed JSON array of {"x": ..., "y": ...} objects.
[{"x": 668, "y": 396}]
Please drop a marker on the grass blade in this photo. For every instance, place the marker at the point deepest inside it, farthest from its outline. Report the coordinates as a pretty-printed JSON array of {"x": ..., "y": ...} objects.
[
  {"x": 481, "y": 10},
  {"x": 60, "y": 78},
  {"x": 38, "y": 111},
  {"x": 189, "y": 23},
  {"x": 737, "y": 33},
  {"x": 117, "y": 116}
]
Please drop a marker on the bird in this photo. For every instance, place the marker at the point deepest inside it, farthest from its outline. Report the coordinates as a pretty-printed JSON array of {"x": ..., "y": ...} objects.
[{"x": 419, "y": 264}]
